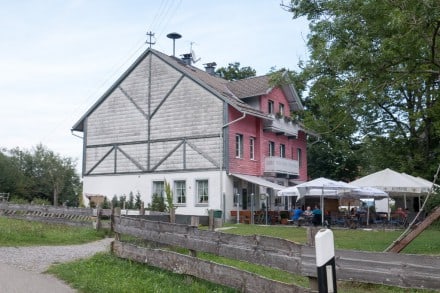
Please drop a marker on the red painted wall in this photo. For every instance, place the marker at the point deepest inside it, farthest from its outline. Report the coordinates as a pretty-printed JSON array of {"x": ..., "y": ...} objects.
[{"x": 253, "y": 127}]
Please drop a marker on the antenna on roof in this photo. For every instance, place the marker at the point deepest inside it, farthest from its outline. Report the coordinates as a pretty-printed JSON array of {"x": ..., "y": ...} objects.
[
  {"x": 193, "y": 54},
  {"x": 150, "y": 36},
  {"x": 174, "y": 36}
]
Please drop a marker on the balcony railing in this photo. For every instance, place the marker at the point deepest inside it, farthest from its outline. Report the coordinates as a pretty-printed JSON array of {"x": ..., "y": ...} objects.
[
  {"x": 280, "y": 125},
  {"x": 281, "y": 165}
]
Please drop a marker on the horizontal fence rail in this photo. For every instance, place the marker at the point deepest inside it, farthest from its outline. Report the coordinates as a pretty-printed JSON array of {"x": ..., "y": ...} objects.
[
  {"x": 403, "y": 270},
  {"x": 213, "y": 272},
  {"x": 84, "y": 217}
]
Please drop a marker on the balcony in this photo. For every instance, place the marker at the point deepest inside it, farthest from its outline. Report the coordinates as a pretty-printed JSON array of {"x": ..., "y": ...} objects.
[
  {"x": 281, "y": 165},
  {"x": 281, "y": 126}
]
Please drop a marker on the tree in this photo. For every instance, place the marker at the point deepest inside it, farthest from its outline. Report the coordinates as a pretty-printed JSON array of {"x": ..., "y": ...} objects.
[
  {"x": 374, "y": 76},
  {"x": 42, "y": 174},
  {"x": 234, "y": 72}
]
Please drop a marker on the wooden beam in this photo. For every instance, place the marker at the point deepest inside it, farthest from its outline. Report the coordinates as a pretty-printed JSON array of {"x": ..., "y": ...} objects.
[{"x": 398, "y": 246}]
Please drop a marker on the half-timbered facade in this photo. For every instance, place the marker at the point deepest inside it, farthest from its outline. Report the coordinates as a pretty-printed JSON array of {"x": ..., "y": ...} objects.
[{"x": 217, "y": 142}]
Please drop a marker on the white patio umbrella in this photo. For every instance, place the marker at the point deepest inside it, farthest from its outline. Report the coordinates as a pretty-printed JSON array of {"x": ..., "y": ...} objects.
[
  {"x": 321, "y": 187},
  {"x": 394, "y": 183},
  {"x": 368, "y": 192}
]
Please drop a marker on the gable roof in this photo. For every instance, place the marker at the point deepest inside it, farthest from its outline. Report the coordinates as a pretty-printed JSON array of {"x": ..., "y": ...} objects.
[
  {"x": 230, "y": 92},
  {"x": 261, "y": 85}
]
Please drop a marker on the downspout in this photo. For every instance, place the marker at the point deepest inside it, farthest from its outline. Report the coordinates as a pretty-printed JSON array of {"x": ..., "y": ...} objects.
[{"x": 222, "y": 197}]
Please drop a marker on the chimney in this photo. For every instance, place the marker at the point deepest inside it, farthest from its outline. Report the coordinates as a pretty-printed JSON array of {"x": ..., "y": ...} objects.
[
  {"x": 187, "y": 58},
  {"x": 210, "y": 67}
]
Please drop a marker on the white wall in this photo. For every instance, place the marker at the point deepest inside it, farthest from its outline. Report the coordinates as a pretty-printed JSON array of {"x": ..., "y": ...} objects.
[{"x": 122, "y": 185}]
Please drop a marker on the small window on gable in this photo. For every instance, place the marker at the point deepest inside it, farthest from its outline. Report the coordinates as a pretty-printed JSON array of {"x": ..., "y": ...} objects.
[
  {"x": 270, "y": 107},
  {"x": 239, "y": 145},
  {"x": 281, "y": 109},
  {"x": 252, "y": 148}
]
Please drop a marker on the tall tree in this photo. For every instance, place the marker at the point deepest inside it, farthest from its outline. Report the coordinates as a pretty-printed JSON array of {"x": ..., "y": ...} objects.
[
  {"x": 374, "y": 74},
  {"x": 41, "y": 173},
  {"x": 234, "y": 72}
]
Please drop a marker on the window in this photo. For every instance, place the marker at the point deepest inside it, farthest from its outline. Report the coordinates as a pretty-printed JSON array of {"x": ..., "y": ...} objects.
[
  {"x": 298, "y": 151},
  {"x": 239, "y": 145},
  {"x": 282, "y": 151},
  {"x": 252, "y": 148},
  {"x": 180, "y": 191},
  {"x": 271, "y": 149},
  {"x": 158, "y": 188},
  {"x": 202, "y": 191},
  {"x": 270, "y": 107},
  {"x": 281, "y": 109}
]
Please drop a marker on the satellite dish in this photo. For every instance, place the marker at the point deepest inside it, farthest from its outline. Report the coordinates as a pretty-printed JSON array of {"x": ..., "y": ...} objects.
[{"x": 193, "y": 54}]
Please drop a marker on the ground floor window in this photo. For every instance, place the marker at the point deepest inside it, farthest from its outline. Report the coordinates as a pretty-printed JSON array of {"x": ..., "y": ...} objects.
[
  {"x": 202, "y": 191},
  {"x": 158, "y": 188},
  {"x": 180, "y": 191}
]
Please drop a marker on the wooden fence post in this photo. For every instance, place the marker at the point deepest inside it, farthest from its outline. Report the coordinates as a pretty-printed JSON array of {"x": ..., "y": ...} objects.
[
  {"x": 98, "y": 218},
  {"x": 194, "y": 224},
  {"x": 173, "y": 215},
  {"x": 142, "y": 212},
  {"x": 211, "y": 220},
  {"x": 116, "y": 212}
]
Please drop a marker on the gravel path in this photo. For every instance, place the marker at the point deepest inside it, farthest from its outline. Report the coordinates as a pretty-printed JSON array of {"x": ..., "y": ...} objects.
[
  {"x": 21, "y": 267},
  {"x": 39, "y": 258}
]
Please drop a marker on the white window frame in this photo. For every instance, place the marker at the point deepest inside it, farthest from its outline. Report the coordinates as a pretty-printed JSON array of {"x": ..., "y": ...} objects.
[
  {"x": 252, "y": 148},
  {"x": 281, "y": 109},
  {"x": 282, "y": 150},
  {"x": 177, "y": 192},
  {"x": 202, "y": 191},
  {"x": 239, "y": 145},
  {"x": 270, "y": 107},
  {"x": 155, "y": 189},
  {"x": 271, "y": 148},
  {"x": 299, "y": 154}
]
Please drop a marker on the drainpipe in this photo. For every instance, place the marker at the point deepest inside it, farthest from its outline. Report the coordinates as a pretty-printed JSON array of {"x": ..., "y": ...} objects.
[{"x": 222, "y": 197}]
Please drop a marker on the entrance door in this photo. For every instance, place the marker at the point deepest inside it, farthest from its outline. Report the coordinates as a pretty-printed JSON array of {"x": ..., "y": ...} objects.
[{"x": 244, "y": 197}]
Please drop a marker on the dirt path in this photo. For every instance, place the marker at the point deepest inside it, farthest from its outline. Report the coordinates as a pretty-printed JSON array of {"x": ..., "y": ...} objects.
[{"x": 21, "y": 268}]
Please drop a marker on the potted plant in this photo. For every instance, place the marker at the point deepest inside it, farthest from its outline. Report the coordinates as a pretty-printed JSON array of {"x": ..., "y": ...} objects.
[{"x": 284, "y": 216}]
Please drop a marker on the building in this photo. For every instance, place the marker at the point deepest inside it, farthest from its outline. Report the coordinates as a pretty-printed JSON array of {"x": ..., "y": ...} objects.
[{"x": 217, "y": 142}]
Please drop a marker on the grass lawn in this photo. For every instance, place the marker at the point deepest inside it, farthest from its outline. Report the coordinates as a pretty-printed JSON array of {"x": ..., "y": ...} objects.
[
  {"x": 367, "y": 240},
  {"x": 106, "y": 273},
  {"x": 25, "y": 233}
]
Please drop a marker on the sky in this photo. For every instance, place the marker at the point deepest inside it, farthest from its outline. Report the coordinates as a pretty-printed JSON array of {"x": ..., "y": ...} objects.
[{"x": 58, "y": 57}]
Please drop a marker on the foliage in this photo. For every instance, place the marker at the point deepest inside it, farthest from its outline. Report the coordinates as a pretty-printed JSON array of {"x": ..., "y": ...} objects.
[
  {"x": 157, "y": 204},
  {"x": 373, "y": 84},
  {"x": 39, "y": 173},
  {"x": 119, "y": 275},
  {"x": 25, "y": 233},
  {"x": 234, "y": 72},
  {"x": 138, "y": 201},
  {"x": 169, "y": 196}
]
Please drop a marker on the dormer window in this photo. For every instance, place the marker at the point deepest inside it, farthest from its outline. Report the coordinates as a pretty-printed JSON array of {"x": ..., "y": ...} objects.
[{"x": 270, "y": 107}]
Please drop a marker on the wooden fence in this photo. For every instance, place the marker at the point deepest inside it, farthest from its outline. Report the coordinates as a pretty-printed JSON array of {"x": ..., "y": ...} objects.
[
  {"x": 84, "y": 217},
  {"x": 403, "y": 270}
]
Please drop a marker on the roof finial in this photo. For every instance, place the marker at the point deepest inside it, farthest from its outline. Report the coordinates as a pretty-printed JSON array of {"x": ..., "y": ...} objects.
[{"x": 150, "y": 41}]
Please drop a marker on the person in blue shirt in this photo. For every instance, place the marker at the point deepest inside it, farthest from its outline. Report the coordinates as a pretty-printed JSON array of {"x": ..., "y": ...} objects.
[
  {"x": 297, "y": 215},
  {"x": 317, "y": 216}
]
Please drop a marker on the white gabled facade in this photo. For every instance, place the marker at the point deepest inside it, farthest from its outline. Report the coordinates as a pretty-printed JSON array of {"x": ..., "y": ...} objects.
[
  {"x": 155, "y": 123},
  {"x": 166, "y": 120}
]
